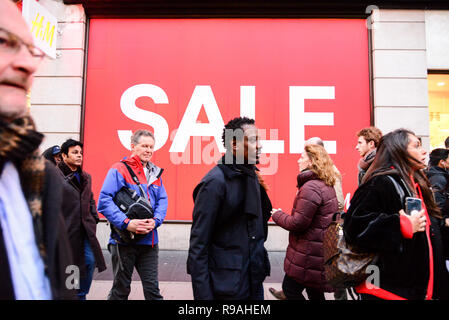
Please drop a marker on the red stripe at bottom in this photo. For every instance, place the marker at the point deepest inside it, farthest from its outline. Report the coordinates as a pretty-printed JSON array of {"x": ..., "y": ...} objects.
[{"x": 377, "y": 292}]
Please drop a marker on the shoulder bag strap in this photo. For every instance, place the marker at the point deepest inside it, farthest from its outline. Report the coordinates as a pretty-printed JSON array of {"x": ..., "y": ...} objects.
[
  {"x": 399, "y": 190},
  {"x": 135, "y": 179}
]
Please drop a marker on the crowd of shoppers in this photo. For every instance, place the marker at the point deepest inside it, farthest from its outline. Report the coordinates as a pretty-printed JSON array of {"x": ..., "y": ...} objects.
[{"x": 48, "y": 215}]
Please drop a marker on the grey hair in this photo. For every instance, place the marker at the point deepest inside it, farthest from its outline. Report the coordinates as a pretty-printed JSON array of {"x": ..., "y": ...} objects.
[
  {"x": 315, "y": 141},
  {"x": 139, "y": 133}
]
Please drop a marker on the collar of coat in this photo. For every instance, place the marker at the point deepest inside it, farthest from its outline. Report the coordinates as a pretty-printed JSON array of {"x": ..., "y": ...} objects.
[
  {"x": 232, "y": 170},
  {"x": 437, "y": 170},
  {"x": 69, "y": 175},
  {"x": 304, "y": 176},
  {"x": 136, "y": 164},
  {"x": 66, "y": 170}
]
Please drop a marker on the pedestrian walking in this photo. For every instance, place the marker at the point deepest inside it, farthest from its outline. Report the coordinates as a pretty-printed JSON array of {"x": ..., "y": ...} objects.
[
  {"x": 438, "y": 176},
  {"x": 53, "y": 154},
  {"x": 80, "y": 214},
  {"x": 227, "y": 259},
  {"x": 339, "y": 294},
  {"x": 410, "y": 251},
  {"x": 313, "y": 207},
  {"x": 34, "y": 248},
  {"x": 143, "y": 252},
  {"x": 367, "y": 142}
]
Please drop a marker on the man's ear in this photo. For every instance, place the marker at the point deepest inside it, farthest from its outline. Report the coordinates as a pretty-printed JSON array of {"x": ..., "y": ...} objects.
[{"x": 371, "y": 144}]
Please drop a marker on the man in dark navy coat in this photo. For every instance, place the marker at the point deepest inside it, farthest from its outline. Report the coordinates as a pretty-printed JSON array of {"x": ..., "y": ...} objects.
[{"x": 227, "y": 259}]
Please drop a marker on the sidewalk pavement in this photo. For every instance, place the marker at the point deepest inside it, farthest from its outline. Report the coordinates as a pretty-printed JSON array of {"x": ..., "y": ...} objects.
[{"x": 174, "y": 282}]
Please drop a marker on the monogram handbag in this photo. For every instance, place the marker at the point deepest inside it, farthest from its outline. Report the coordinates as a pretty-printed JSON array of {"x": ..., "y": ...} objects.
[{"x": 344, "y": 265}]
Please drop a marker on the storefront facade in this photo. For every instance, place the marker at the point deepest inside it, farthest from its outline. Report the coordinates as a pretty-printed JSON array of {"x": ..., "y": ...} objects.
[{"x": 299, "y": 71}]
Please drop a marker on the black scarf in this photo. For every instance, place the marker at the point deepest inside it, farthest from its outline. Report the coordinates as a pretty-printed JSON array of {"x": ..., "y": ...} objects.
[
  {"x": 230, "y": 161},
  {"x": 19, "y": 142},
  {"x": 254, "y": 205}
]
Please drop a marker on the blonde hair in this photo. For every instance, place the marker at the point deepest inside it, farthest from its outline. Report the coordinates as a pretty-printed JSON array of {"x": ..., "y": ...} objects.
[{"x": 322, "y": 164}]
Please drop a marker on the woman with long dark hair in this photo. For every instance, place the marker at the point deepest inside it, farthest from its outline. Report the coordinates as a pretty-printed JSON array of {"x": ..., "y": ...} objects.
[
  {"x": 410, "y": 251},
  {"x": 313, "y": 207}
]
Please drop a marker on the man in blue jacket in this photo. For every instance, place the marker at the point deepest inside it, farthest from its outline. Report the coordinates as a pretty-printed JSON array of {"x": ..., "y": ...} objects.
[{"x": 143, "y": 253}]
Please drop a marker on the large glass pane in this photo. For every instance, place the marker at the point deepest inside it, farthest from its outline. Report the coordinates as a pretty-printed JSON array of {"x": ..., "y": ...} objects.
[{"x": 438, "y": 109}]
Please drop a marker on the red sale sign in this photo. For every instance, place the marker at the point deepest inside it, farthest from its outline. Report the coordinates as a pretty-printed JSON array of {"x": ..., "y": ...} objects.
[{"x": 185, "y": 78}]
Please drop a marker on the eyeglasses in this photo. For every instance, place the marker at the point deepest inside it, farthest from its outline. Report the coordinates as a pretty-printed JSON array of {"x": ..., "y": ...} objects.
[{"x": 11, "y": 44}]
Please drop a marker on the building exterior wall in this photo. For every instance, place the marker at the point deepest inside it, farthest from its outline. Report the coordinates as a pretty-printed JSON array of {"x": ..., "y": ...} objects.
[
  {"x": 400, "y": 71},
  {"x": 405, "y": 44},
  {"x": 437, "y": 39},
  {"x": 57, "y": 90}
]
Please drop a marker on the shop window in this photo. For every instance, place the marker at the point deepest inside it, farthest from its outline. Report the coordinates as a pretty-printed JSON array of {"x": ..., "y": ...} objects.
[{"x": 438, "y": 109}]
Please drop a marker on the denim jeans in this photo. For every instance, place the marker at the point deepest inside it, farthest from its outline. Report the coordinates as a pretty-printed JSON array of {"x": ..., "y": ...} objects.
[{"x": 86, "y": 281}]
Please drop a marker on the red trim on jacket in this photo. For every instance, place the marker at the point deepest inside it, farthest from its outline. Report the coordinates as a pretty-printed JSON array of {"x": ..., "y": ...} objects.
[
  {"x": 157, "y": 182},
  {"x": 429, "y": 241},
  {"x": 377, "y": 292},
  {"x": 406, "y": 227}
]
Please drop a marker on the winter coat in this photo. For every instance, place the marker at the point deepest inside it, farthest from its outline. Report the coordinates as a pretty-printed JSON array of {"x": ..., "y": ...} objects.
[
  {"x": 118, "y": 176},
  {"x": 373, "y": 224},
  {"x": 313, "y": 207},
  {"x": 80, "y": 216},
  {"x": 227, "y": 258},
  {"x": 439, "y": 180},
  {"x": 56, "y": 242}
]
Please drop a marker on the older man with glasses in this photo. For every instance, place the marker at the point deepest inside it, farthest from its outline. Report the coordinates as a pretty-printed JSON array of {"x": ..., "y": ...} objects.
[{"x": 34, "y": 249}]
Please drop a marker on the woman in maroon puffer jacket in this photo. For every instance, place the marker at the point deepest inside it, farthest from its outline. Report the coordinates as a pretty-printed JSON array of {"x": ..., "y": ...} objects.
[{"x": 314, "y": 205}]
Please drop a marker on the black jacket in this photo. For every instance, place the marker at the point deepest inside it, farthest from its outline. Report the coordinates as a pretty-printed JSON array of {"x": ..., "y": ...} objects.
[
  {"x": 372, "y": 223},
  {"x": 56, "y": 242},
  {"x": 227, "y": 258},
  {"x": 439, "y": 180},
  {"x": 80, "y": 216},
  {"x": 56, "y": 239}
]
